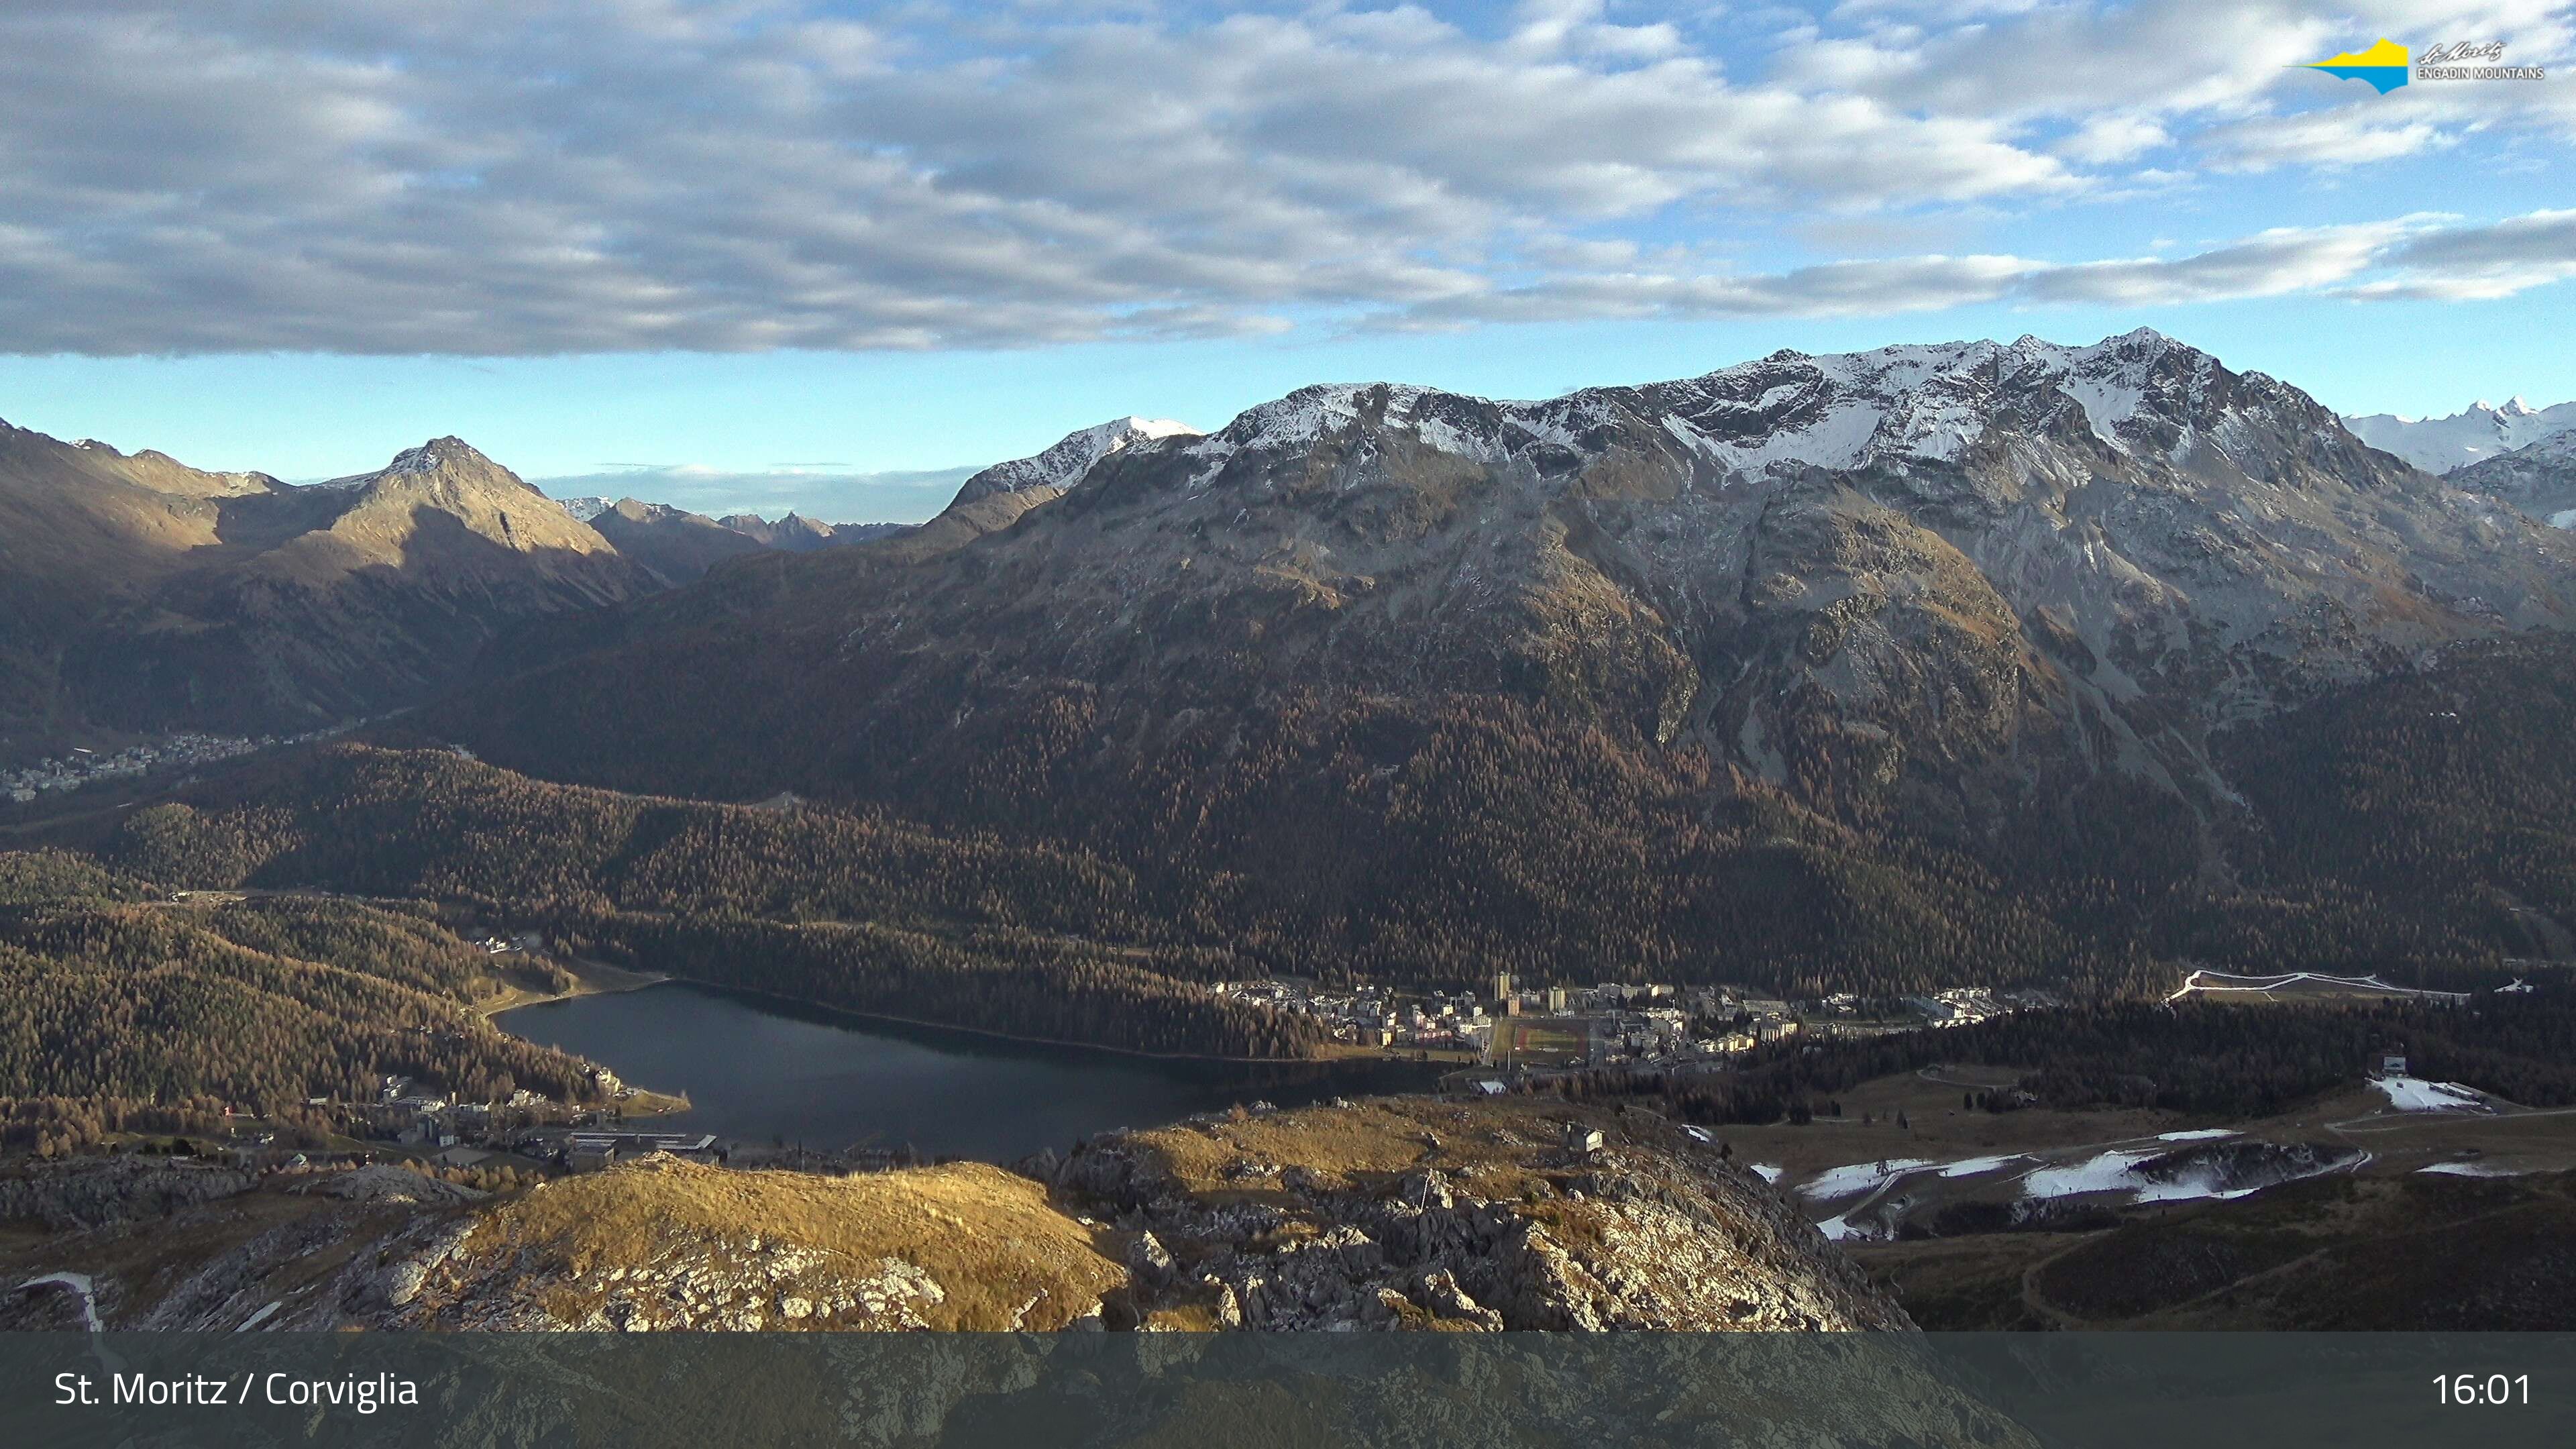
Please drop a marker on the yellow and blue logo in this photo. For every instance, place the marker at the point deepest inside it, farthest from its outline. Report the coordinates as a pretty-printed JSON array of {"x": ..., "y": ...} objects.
[{"x": 2385, "y": 65}]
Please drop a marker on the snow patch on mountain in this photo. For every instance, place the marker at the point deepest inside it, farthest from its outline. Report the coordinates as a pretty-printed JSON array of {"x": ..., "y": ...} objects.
[
  {"x": 588, "y": 508},
  {"x": 1063, "y": 464},
  {"x": 433, "y": 455},
  {"x": 1922, "y": 401}
]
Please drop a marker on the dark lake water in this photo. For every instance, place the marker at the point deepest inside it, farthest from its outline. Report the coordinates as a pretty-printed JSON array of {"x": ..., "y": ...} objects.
[{"x": 756, "y": 1069}]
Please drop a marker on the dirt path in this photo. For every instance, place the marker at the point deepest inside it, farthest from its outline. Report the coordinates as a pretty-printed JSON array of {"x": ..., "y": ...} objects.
[{"x": 2037, "y": 1303}]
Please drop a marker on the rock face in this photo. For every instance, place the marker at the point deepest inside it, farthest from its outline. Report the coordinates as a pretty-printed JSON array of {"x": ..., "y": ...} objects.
[
  {"x": 1410, "y": 1213},
  {"x": 2537, "y": 479},
  {"x": 70, "y": 1196},
  {"x": 1403, "y": 1213}
]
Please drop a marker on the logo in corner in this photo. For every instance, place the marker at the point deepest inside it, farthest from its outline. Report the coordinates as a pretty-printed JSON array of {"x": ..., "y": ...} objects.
[{"x": 2385, "y": 65}]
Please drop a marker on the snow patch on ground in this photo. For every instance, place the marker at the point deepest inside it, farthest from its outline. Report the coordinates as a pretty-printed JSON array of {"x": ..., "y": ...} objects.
[
  {"x": 2566, "y": 519},
  {"x": 2104, "y": 1172},
  {"x": 1859, "y": 1177},
  {"x": 2206, "y": 1134},
  {"x": 2413, "y": 1094},
  {"x": 1837, "y": 1230},
  {"x": 1973, "y": 1166},
  {"x": 2207, "y": 981},
  {"x": 1768, "y": 1172},
  {"x": 2189, "y": 1191},
  {"x": 2116, "y": 1171},
  {"x": 2468, "y": 1169},
  {"x": 77, "y": 1282}
]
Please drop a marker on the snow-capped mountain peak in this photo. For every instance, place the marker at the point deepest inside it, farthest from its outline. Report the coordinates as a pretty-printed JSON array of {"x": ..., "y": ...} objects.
[
  {"x": 1061, "y": 464},
  {"x": 436, "y": 454},
  {"x": 2484, "y": 430},
  {"x": 1840, "y": 410}
]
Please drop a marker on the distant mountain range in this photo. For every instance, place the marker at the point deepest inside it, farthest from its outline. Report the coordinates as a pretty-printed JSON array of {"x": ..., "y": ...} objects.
[
  {"x": 2516, "y": 454},
  {"x": 139, "y": 594},
  {"x": 678, "y": 546},
  {"x": 141, "y": 588},
  {"x": 1870, "y": 662},
  {"x": 2484, "y": 431}
]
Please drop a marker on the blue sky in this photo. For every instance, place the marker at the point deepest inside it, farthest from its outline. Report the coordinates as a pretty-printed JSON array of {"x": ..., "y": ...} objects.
[{"x": 754, "y": 254}]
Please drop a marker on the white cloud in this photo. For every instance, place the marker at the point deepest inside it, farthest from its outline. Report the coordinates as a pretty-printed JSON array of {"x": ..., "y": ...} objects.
[
  {"x": 2482, "y": 263},
  {"x": 2407, "y": 257},
  {"x": 548, "y": 176},
  {"x": 2115, "y": 137},
  {"x": 535, "y": 176}
]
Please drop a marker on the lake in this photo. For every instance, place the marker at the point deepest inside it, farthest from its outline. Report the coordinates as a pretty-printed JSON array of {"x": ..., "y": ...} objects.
[{"x": 757, "y": 1069}]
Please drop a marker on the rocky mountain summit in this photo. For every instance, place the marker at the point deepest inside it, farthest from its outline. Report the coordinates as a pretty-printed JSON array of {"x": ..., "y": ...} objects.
[
  {"x": 679, "y": 546},
  {"x": 1408, "y": 1213},
  {"x": 1398, "y": 1213},
  {"x": 791, "y": 534},
  {"x": 1064, "y": 463}
]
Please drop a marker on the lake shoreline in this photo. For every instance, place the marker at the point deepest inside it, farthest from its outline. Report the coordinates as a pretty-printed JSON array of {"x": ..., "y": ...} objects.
[
  {"x": 760, "y": 1067},
  {"x": 1138, "y": 1053}
]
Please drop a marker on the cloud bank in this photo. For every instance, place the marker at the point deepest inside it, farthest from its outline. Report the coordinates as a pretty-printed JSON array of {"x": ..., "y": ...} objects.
[{"x": 528, "y": 177}]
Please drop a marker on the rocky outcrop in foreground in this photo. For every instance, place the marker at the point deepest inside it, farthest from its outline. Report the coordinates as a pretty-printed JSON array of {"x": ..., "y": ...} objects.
[
  {"x": 1400, "y": 1213},
  {"x": 1415, "y": 1213}
]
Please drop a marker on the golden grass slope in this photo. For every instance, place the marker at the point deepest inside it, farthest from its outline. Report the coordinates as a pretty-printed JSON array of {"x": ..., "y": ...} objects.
[{"x": 662, "y": 1243}]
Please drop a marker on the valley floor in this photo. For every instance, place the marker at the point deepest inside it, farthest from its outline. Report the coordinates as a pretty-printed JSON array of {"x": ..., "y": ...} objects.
[{"x": 2356, "y": 1215}]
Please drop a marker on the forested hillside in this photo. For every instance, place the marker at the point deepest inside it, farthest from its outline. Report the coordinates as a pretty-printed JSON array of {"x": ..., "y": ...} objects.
[
  {"x": 2416, "y": 826},
  {"x": 106, "y": 995}
]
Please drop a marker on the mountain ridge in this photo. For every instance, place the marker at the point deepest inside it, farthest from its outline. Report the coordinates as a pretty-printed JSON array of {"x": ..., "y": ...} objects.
[
  {"x": 1411, "y": 678},
  {"x": 2475, "y": 434},
  {"x": 1975, "y": 470},
  {"x": 152, "y": 596}
]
